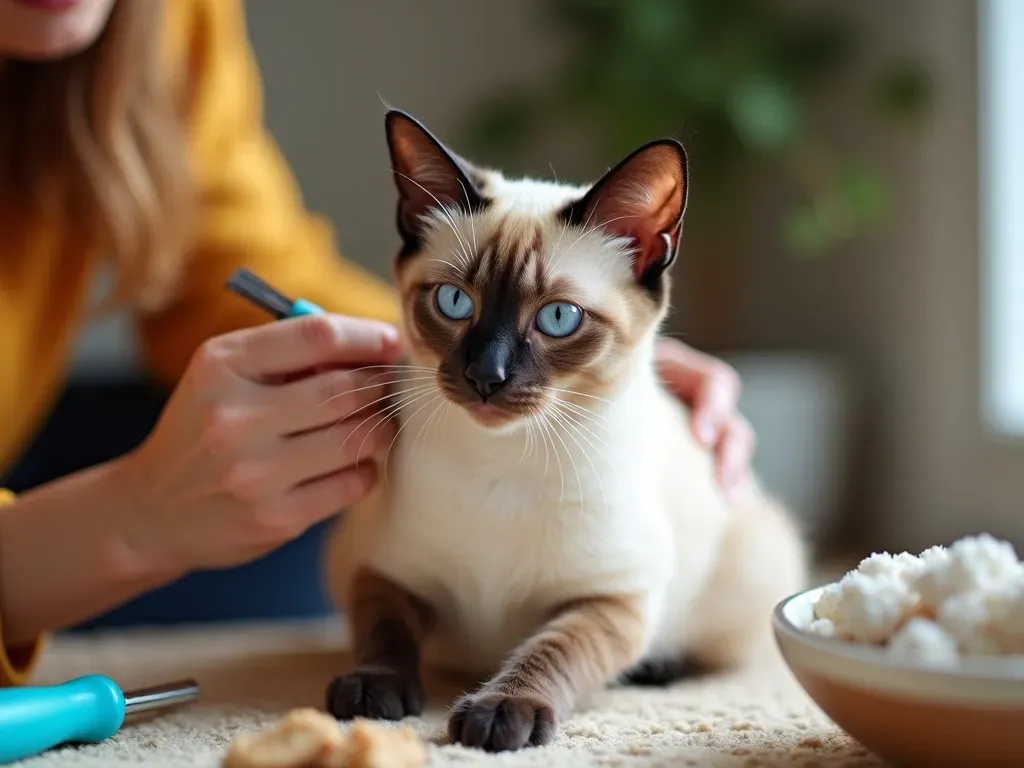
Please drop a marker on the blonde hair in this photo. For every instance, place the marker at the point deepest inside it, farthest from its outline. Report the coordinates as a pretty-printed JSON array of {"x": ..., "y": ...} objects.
[{"x": 98, "y": 137}]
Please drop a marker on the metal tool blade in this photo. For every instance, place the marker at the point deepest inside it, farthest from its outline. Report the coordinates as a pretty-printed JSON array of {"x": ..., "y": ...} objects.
[{"x": 160, "y": 696}]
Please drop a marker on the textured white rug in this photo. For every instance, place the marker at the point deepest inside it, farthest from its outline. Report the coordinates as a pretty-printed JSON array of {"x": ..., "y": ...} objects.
[{"x": 251, "y": 675}]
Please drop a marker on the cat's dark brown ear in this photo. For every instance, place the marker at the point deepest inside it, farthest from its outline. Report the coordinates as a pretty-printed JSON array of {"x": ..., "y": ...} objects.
[
  {"x": 427, "y": 174},
  {"x": 643, "y": 198}
]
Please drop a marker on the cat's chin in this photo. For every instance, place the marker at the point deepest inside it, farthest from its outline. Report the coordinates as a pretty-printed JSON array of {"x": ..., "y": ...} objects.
[
  {"x": 491, "y": 416},
  {"x": 496, "y": 419}
]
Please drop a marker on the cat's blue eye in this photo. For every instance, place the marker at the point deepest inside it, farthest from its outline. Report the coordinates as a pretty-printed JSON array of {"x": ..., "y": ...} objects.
[
  {"x": 453, "y": 302},
  {"x": 559, "y": 319}
]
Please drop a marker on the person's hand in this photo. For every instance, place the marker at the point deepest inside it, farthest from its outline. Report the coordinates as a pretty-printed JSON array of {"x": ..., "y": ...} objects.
[
  {"x": 711, "y": 388},
  {"x": 271, "y": 430}
]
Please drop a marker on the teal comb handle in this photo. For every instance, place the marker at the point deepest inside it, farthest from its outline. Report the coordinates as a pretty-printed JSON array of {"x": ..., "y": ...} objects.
[
  {"x": 302, "y": 307},
  {"x": 33, "y": 720}
]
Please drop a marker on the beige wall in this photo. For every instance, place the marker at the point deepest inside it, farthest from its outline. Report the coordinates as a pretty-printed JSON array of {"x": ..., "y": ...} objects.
[{"x": 325, "y": 62}]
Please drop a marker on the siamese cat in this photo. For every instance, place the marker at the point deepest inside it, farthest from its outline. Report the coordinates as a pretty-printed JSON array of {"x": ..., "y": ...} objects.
[{"x": 546, "y": 520}]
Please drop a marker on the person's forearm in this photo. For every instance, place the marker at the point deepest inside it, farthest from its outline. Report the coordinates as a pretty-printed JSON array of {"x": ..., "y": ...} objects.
[{"x": 67, "y": 553}]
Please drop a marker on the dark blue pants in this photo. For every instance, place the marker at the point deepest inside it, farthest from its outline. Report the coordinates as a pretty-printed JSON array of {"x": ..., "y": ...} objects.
[{"x": 97, "y": 421}]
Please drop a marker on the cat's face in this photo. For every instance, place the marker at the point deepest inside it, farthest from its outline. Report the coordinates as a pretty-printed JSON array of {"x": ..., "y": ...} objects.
[{"x": 524, "y": 295}]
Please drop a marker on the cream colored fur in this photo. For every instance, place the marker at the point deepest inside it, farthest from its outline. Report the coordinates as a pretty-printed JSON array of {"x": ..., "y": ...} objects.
[{"x": 496, "y": 528}]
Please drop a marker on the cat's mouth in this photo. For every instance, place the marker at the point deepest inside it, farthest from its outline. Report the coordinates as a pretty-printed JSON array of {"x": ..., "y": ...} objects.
[{"x": 490, "y": 415}]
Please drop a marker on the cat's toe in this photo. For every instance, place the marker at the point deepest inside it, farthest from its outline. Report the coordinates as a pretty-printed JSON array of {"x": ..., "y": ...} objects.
[
  {"x": 379, "y": 694},
  {"x": 497, "y": 722}
]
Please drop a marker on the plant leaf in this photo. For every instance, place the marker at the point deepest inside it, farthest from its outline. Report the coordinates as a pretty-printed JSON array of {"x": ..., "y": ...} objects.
[
  {"x": 865, "y": 193},
  {"x": 904, "y": 90},
  {"x": 805, "y": 232},
  {"x": 764, "y": 114}
]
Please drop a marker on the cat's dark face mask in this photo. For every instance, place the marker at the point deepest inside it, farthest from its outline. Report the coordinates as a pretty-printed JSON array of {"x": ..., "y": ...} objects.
[{"x": 500, "y": 347}]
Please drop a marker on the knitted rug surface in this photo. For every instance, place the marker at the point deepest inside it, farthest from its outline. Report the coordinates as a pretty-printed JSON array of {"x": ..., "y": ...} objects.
[{"x": 251, "y": 675}]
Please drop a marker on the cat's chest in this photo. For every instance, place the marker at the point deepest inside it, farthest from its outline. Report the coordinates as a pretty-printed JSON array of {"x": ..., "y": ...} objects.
[{"x": 500, "y": 533}]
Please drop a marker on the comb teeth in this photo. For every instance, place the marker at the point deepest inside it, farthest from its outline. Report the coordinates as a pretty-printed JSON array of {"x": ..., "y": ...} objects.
[{"x": 248, "y": 286}]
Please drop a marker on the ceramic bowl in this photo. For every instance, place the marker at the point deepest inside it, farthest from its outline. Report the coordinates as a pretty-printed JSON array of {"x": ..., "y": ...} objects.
[{"x": 912, "y": 715}]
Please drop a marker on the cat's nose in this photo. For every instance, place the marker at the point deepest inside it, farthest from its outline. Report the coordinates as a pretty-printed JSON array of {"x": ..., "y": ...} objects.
[{"x": 486, "y": 379}]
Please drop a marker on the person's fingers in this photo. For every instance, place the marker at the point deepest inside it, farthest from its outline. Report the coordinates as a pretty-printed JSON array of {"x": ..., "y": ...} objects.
[
  {"x": 304, "y": 343},
  {"x": 325, "y": 399},
  {"x": 292, "y": 461},
  {"x": 682, "y": 368},
  {"x": 709, "y": 386},
  {"x": 734, "y": 454},
  {"x": 310, "y": 503},
  {"x": 713, "y": 407},
  {"x": 325, "y": 451},
  {"x": 327, "y": 496}
]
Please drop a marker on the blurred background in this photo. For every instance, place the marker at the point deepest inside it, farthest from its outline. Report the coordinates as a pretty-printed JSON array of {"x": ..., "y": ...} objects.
[{"x": 852, "y": 246}]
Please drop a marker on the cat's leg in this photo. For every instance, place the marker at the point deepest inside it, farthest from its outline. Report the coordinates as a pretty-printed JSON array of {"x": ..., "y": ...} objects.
[
  {"x": 762, "y": 561},
  {"x": 388, "y": 625},
  {"x": 585, "y": 645},
  {"x": 661, "y": 672}
]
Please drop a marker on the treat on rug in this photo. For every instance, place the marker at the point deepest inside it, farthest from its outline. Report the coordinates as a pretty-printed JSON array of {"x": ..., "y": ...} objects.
[{"x": 307, "y": 738}]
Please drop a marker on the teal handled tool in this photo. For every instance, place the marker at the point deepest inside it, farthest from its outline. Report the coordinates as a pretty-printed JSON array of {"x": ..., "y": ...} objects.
[
  {"x": 250, "y": 287},
  {"x": 87, "y": 709}
]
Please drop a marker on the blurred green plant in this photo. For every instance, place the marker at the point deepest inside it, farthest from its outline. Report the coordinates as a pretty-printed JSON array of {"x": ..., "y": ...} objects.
[{"x": 736, "y": 80}]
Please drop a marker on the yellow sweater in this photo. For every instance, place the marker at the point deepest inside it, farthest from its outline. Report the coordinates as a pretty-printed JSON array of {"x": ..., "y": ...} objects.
[{"x": 252, "y": 216}]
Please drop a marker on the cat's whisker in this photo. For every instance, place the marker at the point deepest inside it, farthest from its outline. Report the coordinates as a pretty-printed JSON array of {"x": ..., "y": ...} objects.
[
  {"x": 604, "y": 223},
  {"x": 470, "y": 217},
  {"x": 588, "y": 231},
  {"x": 537, "y": 421},
  {"x": 531, "y": 439},
  {"x": 554, "y": 251},
  {"x": 396, "y": 370},
  {"x": 459, "y": 270},
  {"x": 569, "y": 419},
  {"x": 442, "y": 207},
  {"x": 396, "y": 393},
  {"x": 528, "y": 448},
  {"x": 574, "y": 417},
  {"x": 390, "y": 412},
  {"x": 387, "y": 410},
  {"x": 526, "y": 442},
  {"x": 448, "y": 219},
  {"x": 424, "y": 428},
  {"x": 395, "y": 367},
  {"x": 554, "y": 449},
  {"x": 578, "y": 418},
  {"x": 585, "y": 225},
  {"x": 372, "y": 386},
  {"x": 539, "y": 436},
  {"x": 407, "y": 374},
  {"x": 463, "y": 250},
  {"x": 597, "y": 419},
  {"x": 399, "y": 432},
  {"x": 572, "y": 460},
  {"x": 586, "y": 455},
  {"x": 558, "y": 258},
  {"x": 403, "y": 376},
  {"x": 578, "y": 394}
]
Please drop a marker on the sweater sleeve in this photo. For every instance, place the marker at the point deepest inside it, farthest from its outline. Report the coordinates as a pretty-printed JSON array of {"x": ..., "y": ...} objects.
[
  {"x": 16, "y": 664},
  {"x": 251, "y": 211}
]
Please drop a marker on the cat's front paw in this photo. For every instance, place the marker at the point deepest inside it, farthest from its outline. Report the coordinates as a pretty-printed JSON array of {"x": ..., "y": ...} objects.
[
  {"x": 377, "y": 693},
  {"x": 498, "y": 722}
]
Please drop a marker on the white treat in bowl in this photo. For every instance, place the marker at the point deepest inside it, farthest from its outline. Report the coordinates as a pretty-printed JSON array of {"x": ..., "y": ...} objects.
[{"x": 918, "y": 657}]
